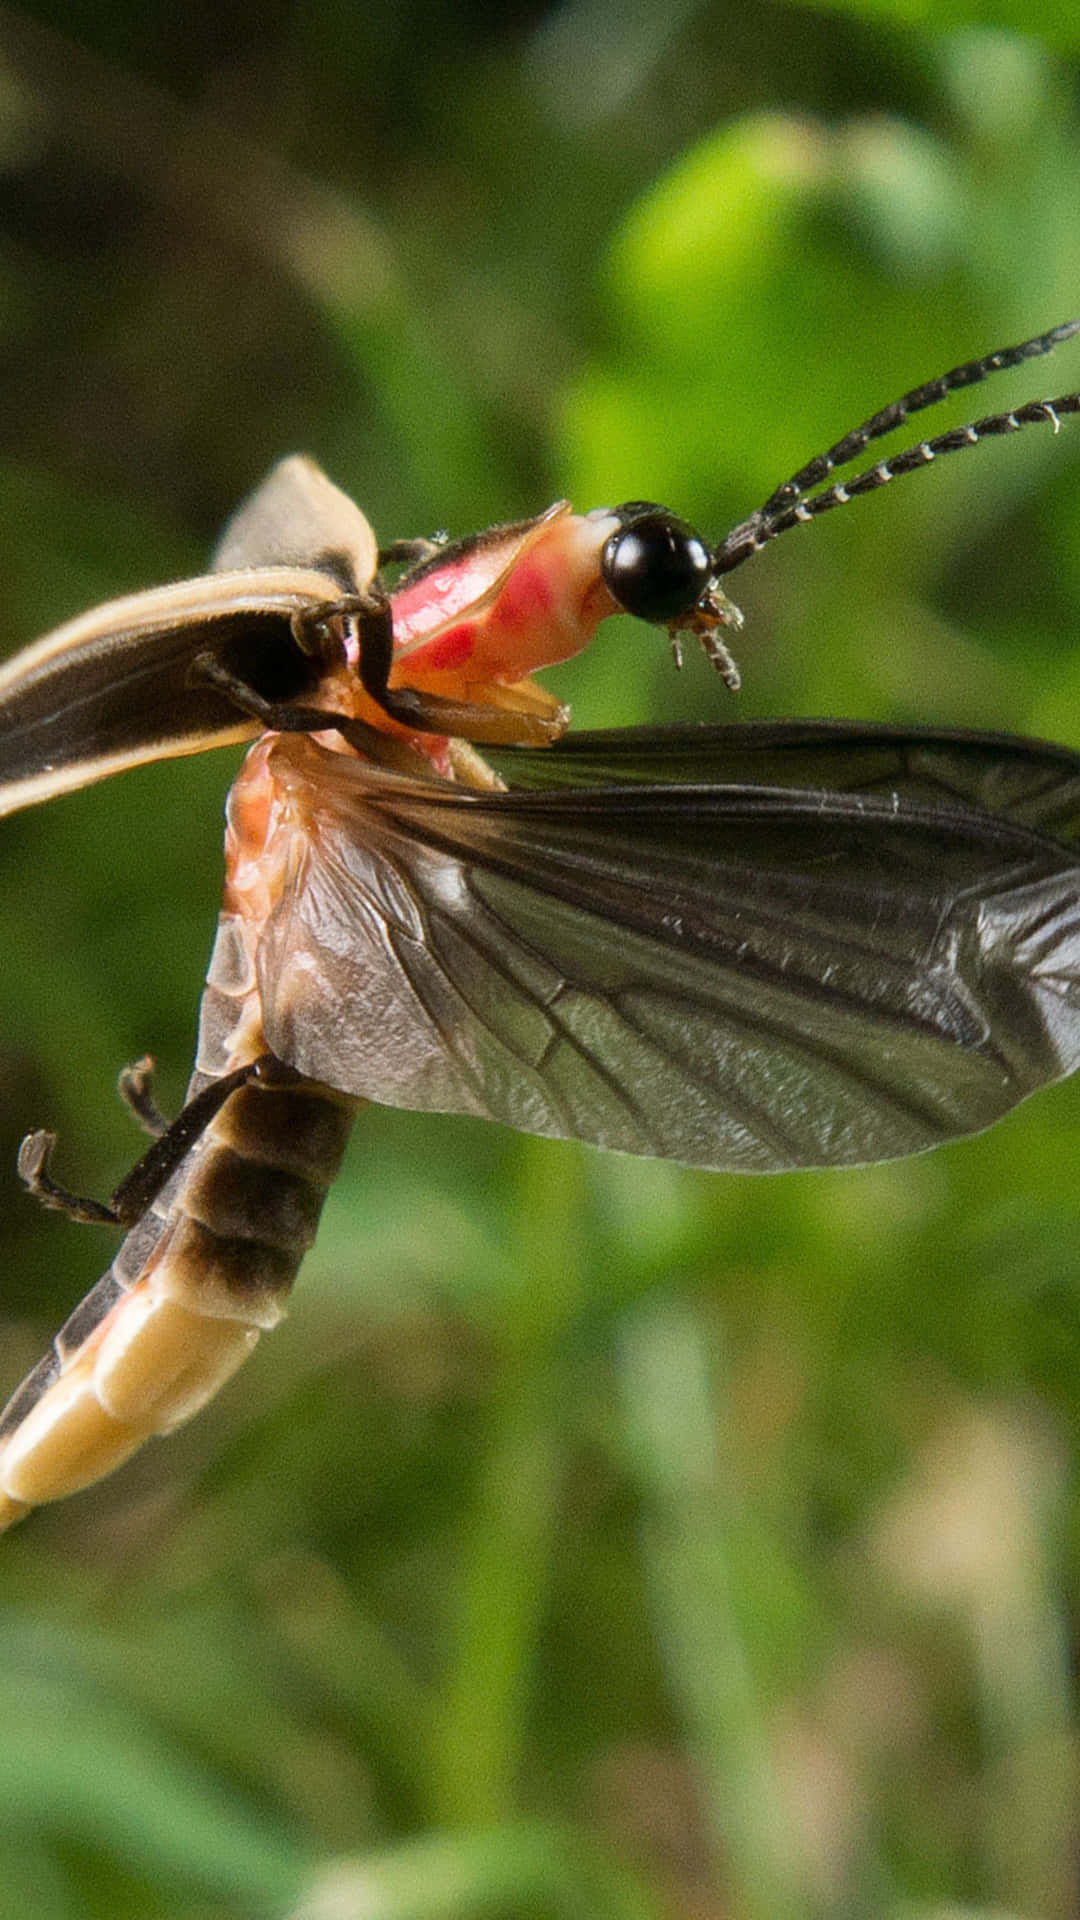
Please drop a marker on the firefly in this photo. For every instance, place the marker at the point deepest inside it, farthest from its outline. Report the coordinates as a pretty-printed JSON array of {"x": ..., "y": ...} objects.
[{"x": 748, "y": 947}]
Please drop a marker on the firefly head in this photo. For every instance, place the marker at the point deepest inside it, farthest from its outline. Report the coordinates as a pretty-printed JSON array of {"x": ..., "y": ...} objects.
[{"x": 655, "y": 566}]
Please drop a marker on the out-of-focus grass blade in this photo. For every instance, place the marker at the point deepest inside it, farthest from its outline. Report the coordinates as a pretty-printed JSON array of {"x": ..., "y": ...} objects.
[
  {"x": 546, "y": 1872},
  {"x": 673, "y": 1433},
  {"x": 76, "y": 1757}
]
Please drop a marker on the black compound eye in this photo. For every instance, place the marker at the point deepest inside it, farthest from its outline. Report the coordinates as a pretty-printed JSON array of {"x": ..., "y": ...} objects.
[{"x": 656, "y": 566}]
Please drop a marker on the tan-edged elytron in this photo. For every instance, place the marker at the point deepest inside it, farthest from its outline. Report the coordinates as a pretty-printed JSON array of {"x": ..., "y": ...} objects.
[{"x": 748, "y": 947}]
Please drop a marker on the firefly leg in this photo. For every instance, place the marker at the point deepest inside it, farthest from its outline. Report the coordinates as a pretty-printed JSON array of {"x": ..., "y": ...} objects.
[
  {"x": 133, "y": 1086},
  {"x": 287, "y": 717},
  {"x": 410, "y": 553},
  {"x": 36, "y": 1151},
  {"x": 33, "y": 1167},
  {"x": 277, "y": 716},
  {"x": 371, "y": 616},
  {"x": 149, "y": 1174}
]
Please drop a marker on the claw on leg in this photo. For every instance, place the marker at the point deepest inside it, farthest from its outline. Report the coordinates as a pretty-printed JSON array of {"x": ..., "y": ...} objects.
[
  {"x": 135, "y": 1087},
  {"x": 35, "y": 1154},
  {"x": 411, "y": 553}
]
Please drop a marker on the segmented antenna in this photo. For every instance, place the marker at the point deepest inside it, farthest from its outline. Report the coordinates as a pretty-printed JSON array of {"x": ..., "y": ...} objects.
[{"x": 786, "y": 507}]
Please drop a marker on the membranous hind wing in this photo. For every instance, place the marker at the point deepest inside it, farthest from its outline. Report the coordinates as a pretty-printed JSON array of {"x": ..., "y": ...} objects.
[
  {"x": 114, "y": 688},
  {"x": 724, "y": 970},
  {"x": 1034, "y": 783}
]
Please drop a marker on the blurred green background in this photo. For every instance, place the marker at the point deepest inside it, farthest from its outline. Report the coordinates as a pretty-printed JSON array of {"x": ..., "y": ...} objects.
[{"x": 596, "y": 1538}]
